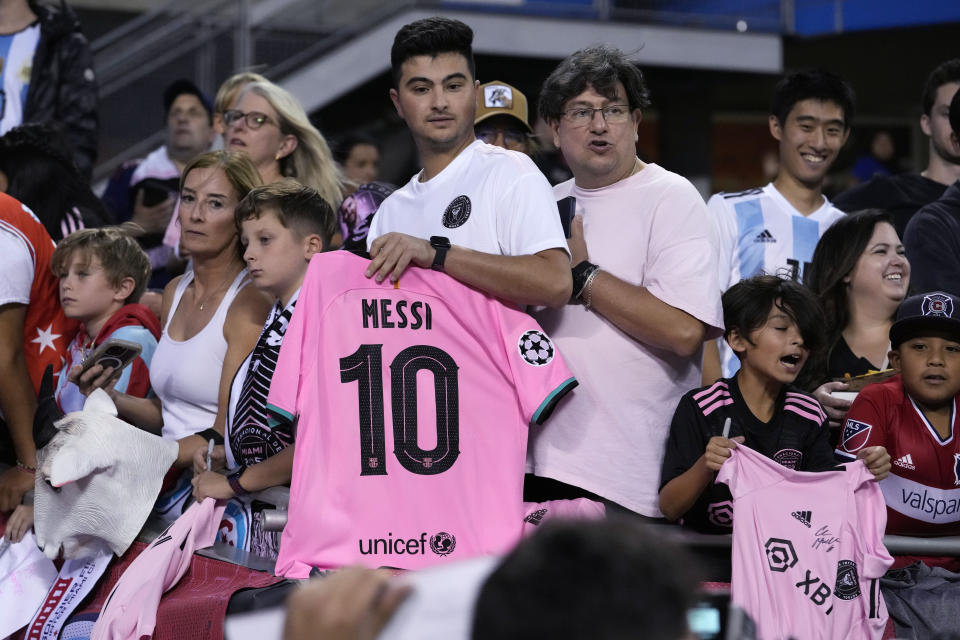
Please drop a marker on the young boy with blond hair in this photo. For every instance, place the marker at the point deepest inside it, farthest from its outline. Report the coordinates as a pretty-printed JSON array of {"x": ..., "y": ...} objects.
[{"x": 103, "y": 272}]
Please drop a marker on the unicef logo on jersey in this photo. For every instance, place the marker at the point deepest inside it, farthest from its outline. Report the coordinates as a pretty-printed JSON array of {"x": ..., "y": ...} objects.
[
  {"x": 535, "y": 348},
  {"x": 440, "y": 543},
  {"x": 443, "y": 543}
]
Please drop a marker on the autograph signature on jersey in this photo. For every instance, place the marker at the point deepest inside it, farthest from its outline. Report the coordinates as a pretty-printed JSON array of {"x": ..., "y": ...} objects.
[{"x": 823, "y": 538}]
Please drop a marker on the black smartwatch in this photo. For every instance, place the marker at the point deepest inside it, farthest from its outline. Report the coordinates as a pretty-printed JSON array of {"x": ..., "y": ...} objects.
[
  {"x": 441, "y": 245},
  {"x": 580, "y": 274},
  {"x": 234, "y": 481}
]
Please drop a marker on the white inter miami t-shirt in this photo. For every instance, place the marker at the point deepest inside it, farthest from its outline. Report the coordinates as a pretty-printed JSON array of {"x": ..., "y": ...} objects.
[
  {"x": 487, "y": 199},
  {"x": 759, "y": 232}
]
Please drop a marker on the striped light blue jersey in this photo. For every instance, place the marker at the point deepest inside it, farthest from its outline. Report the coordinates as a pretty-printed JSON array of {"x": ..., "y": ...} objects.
[
  {"x": 16, "y": 64},
  {"x": 759, "y": 231}
]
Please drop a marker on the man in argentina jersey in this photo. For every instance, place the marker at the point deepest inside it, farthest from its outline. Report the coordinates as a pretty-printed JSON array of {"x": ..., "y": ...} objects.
[
  {"x": 413, "y": 403},
  {"x": 808, "y": 565},
  {"x": 774, "y": 229}
]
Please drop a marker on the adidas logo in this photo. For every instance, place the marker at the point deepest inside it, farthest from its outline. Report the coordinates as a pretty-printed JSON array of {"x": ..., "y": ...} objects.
[
  {"x": 803, "y": 516},
  {"x": 764, "y": 236},
  {"x": 906, "y": 462}
]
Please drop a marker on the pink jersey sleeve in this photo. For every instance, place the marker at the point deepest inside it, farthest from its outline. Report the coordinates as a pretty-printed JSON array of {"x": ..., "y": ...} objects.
[
  {"x": 863, "y": 426},
  {"x": 284, "y": 396},
  {"x": 743, "y": 478},
  {"x": 872, "y": 515},
  {"x": 540, "y": 375}
]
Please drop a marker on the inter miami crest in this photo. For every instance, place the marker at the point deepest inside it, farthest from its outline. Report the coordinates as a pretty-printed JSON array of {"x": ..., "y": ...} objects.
[
  {"x": 937, "y": 304},
  {"x": 443, "y": 543},
  {"x": 536, "y": 348},
  {"x": 457, "y": 212},
  {"x": 848, "y": 583}
]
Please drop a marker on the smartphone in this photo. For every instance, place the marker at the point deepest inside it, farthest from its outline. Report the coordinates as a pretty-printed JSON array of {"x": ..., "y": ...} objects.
[
  {"x": 567, "y": 208},
  {"x": 114, "y": 353}
]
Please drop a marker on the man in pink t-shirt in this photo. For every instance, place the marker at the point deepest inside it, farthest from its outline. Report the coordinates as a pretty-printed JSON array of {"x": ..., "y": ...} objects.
[
  {"x": 808, "y": 548},
  {"x": 645, "y": 292},
  {"x": 412, "y": 404}
]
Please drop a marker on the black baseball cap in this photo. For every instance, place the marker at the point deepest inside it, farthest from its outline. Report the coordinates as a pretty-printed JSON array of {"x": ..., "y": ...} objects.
[
  {"x": 926, "y": 314},
  {"x": 180, "y": 87}
]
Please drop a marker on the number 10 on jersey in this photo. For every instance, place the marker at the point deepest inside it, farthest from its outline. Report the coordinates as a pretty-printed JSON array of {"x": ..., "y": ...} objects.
[{"x": 365, "y": 367}]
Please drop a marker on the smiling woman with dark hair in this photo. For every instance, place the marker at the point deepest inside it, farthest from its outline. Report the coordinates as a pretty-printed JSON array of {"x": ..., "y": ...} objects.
[{"x": 861, "y": 274}]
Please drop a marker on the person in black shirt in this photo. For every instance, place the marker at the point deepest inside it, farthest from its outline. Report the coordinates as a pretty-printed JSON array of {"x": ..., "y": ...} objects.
[
  {"x": 772, "y": 324},
  {"x": 904, "y": 194}
]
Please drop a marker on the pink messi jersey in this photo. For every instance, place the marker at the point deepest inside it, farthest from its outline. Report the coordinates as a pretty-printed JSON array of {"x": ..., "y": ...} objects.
[
  {"x": 807, "y": 549},
  {"x": 413, "y": 405}
]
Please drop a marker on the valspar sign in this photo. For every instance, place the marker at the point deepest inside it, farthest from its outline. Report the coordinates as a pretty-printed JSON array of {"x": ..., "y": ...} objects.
[{"x": 920, "y": 502}]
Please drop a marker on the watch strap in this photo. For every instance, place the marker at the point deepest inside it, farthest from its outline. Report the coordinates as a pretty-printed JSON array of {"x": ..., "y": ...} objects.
[
  {"x": 580, "y": 273},
  {"x": 234, "y": 481}
]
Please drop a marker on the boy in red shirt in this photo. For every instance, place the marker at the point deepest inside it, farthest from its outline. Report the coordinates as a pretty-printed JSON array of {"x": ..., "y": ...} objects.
[{"x": 914, "y": 415}]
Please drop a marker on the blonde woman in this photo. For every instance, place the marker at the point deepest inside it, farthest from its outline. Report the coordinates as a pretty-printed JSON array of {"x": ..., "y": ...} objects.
[{"x": 270, "y": 125}]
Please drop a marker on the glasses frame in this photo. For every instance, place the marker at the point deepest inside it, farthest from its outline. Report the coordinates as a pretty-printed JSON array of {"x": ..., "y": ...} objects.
[
  {"x": 593, "y": 112},
  {"x": 250, "y": 118}
]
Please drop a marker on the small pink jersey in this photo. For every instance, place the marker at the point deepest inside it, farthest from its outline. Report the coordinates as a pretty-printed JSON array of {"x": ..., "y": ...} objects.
[
  {"x": 413, "y": 405},
  {"x": 130, "y": 611},
  {"x": 807, "y": 549}
]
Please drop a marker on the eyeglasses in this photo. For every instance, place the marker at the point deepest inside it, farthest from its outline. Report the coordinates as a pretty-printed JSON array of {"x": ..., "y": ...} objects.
[
  {"x": 253, "y": 119},
  {"x": 510, "y": 136},
  {"x": 612, "y": 114}
]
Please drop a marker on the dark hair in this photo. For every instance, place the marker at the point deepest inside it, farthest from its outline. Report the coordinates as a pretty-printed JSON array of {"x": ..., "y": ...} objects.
[
  {"x": 182, "y": 87},
  {"x": 41, "y": 174},
  {"x": 949, "y": 71},
  {"x": 342, "y": 148},
  {"x": 431, "y": 37},
  {"x": 954, "y": 114},
  {"x": 603, "y": 579},
  {"x": 600, "y": 67},
  {"x": 817, "y": 84},
  {"x": 747, "y": 304},
  {"x": 298, "y": 208}
]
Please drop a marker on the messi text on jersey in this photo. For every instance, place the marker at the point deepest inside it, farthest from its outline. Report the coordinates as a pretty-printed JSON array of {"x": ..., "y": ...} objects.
[{"x": 399, "y": 314}]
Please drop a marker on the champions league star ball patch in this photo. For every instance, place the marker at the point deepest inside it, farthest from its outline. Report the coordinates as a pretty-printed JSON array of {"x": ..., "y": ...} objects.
[
  {"x": 536, "y": 348},
  {"x": 457, "y": 212}
]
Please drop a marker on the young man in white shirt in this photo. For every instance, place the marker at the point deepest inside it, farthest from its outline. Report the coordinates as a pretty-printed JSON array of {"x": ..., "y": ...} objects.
[
  {"x": 774, "y": 229},
  {"x": 484, "y": 215}
]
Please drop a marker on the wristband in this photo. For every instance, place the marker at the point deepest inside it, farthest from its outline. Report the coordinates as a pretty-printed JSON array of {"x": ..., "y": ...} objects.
[
  {"x": 26, "y": 468},
  {"x": 234, "y": 481},
  {"x": 211, "y": 434},
  {"x": 580, "y": 274}
]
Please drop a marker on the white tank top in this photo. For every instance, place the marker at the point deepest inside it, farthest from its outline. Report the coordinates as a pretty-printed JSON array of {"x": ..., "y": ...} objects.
[{"x": 185, "y": 374}]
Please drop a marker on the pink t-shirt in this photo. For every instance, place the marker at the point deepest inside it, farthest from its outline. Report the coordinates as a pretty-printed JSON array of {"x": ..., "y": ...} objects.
[
  {"x": 807, "y": 548},
  {"x": 650, "y": 230},
  {"x": 413, "y": 407}
]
